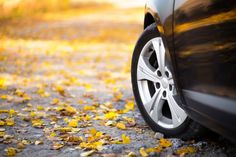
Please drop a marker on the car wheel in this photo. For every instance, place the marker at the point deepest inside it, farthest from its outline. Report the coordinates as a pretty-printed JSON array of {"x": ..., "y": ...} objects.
[{"x": 154, "y": 88}]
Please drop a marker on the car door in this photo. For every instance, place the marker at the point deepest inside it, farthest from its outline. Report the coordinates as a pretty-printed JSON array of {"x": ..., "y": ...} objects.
[{"x": 205, "y": 46}]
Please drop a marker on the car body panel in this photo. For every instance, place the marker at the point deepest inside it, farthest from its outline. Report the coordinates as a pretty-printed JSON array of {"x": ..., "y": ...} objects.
[{"x": 201, "y": 39}]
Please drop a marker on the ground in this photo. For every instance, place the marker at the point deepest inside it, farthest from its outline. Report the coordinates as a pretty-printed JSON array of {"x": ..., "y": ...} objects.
[{"x": 66, "y": 90}]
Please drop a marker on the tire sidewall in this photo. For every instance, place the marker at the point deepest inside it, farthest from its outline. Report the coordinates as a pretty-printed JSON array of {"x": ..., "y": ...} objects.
[{"x": 149, "y": 33}]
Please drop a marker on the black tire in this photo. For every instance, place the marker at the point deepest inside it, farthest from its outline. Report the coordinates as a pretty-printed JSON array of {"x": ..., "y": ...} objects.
[{"x": 188, "y": 129}]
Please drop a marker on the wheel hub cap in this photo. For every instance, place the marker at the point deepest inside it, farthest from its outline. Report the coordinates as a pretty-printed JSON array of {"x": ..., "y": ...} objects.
[{"x": 156, "y": 86}]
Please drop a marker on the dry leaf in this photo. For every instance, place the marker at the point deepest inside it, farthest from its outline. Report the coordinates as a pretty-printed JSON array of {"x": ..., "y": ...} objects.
[
  {"x": 165, "y": 143},
  {"x": 88, "y": 153},
  {"x": 121, "y": 126},
  {"x": 10, "y": 151},
  {"x": 125, "y": 139},
  {"x": 143, "y": 153}
]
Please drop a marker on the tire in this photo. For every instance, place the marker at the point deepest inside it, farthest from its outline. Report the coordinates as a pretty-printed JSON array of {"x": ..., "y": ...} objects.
[{"x": 187, "y": 129}]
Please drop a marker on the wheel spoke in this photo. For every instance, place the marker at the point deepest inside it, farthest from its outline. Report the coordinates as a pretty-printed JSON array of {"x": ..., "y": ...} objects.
[
  {"x": 178, "y": 115},
  {"x": 171, "y": 81},
  {"x": 145, "y": 71},
  {"x": 160, "y": 53},
  {"x": 154, "y": 105}
]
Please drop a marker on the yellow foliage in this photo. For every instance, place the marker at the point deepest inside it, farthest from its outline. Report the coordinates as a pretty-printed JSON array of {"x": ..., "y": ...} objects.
[
  {"x": 40, "y": 108},
  {"x": 2, "y": 123},
  {"x": 89, "y": 108},
  {"x": 10, "y": 122},
  {"x": 186, "y": 150},
  {"x": 10, "y": 151},
  {"x": 111, "y": 115},
  {"x": 73, "y": 123},
  {"x": 129, "y": 105},
  {"x": 143, "y": 153},
  {"x": 91, "y": 145},
  {"x": 37, "y": 123},
  {"x": 121, "y": 126},
  {"x": 2, "y": 83},
  {"x": 165, "y": 143},
  {"x": 93, "y": 131},
  {"x": 125, "y": 139},
  {"x": 55, "y": 101}
]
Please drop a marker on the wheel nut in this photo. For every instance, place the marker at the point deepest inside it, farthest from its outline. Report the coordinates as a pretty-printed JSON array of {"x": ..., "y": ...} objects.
[
  {"x": 159, "y": 73},
  {"x": 167, "y": 74},
  {"x": 170, "y": 87},
  {"x": 164, "y": 94},
  {"x": 158, "y": 85}
]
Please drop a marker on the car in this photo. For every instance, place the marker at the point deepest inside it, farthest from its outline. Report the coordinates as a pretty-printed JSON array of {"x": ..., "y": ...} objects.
[{"x": 183, "y": 68}]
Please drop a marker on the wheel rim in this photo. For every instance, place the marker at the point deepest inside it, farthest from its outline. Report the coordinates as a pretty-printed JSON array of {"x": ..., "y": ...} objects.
[{"x": 156, "y": 86}]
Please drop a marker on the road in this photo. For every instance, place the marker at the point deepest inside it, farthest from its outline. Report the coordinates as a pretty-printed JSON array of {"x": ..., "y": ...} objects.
[{"x": 66, "y": 91}]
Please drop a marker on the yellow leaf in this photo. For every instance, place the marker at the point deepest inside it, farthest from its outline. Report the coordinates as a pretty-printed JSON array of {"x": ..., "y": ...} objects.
[
  {"x": 125, "y": 139},
  {"x": 150, "y": 150},
  {"x": 93, "y": 131},
  {"x": 186, "y": 150},
  {"x": 88, "y": 153},
  {"x": 2, "y": 134},
  {"x": 165, "y": 143},
  {"x": 143, "y": 153},
  {"x": 4, "y": 97},
  {"x": 40, "y": 108},
  {"x": 10, "y": 122},
  {"x": 10, "y": 151},
  {"x": 2, "y": 83},
  {"x": 73, "y": 123},
  {"x": 11, "y": 112},
  {"x": 60, "y": 90},
  {"x": 57, "y": 146},
  {"x": 55, "y": 101},
  {"x": 37, "y": 123},
  {"x": 2, "y": 123},
  {"x": 131, "y": 154},
  {"x": 3, "y": 111},
  {"x": 111, "y": 115},
  {"x": 129, "y": 105},
  {"x": 89, "y": 108},
  {"x": 53, "y": 134},
  {"x": 121, "y": 126},
  {"x": 92, "y": 145},
  {"x": 38, "y": 142},
  {"x": 32, "y": 114}
]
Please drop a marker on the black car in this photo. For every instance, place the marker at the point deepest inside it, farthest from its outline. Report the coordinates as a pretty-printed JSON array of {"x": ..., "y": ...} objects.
[{"x": 184, "y": 67}]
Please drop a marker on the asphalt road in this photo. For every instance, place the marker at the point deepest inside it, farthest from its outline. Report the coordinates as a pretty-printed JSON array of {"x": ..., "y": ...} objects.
[{"x": 53, "y": 66}]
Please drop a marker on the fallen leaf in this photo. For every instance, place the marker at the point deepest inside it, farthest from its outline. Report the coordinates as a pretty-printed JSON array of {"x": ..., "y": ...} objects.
[
  {"x": 186, "y": 150},
  {"x": 73, "y": 123},
  {"x": 125, "y": 139},
  {"x": 10, "y": 122},
  {"x": 111, "y": 115},
  {"x": 38, "y": 142},
  {"x": 121, "y": 126},
  {"x": 88, "y": 153},
  {"x": 10, "y": 151},
  {"x": 165, "y": 143},
  {"x": 143, "y": 153}
]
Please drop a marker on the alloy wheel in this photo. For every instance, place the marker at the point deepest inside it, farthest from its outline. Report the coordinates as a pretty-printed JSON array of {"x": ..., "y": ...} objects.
[{"x": 156, "y": 86}]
